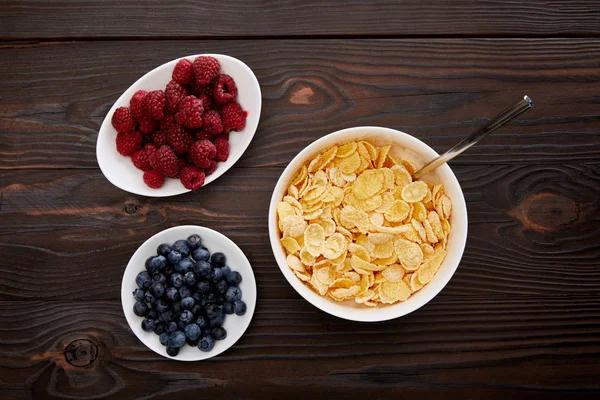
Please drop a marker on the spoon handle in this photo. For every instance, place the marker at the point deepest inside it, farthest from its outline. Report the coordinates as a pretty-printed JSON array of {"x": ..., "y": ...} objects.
[{"x": 492, "y": 125}]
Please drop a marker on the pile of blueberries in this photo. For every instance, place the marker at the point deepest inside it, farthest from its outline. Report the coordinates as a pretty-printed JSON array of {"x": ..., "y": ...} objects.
[{"x": 185, "y": 294}]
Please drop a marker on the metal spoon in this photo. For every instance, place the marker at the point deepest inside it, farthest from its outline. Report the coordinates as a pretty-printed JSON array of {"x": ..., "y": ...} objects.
[{"x": 491, "y": 126}]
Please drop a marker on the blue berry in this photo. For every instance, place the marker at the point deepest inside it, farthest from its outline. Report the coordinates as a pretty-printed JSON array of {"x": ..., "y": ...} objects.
[
  {"x": 159, "y": 329},
  {"x": 189, "y": 278},
  {"x": 202, "y": 268},
  {"x": 219, "y": 333},
  {"x": 167, "y": 316},
  {"x": 177, "y": 280},
  {"x": 202, "y": 322},
  {"x": 157, "y": 290},
  {"x": 225, "y": 270},
  {"x": 196, "y": 296},
  {"x": 140, "y": 308},
  {"x": 161, "y": 306},
  {"x": 148, "y": 325},
  {"x": 218, "y": 260},
  {"x": 194, "y": 242},
  {"x": 239, "y": 307},
  {"x": 147, "y": 264},
  {"x": 210, "y": 298},
  {"x": 176, "y": 339},
  {"x": 157, "y": 263},
  {"x": 187, "y": 303},
  {"x": 186, "y": 317},
  {"x": 203, "y": 286},
  {"x": 191, "y": 342},
  {"x": 185, "y": 292},
  {"x": 234, "y": 278},
  {"x": 172, "y": 294},
  {"x": 192, "y": 331},
  {"x": 176, "y": 307},
  {"x": 152, "y": 314},
  {"x": 228, "y": 308},
  {"x": 211, "y": 310},
  {"x": 181, "y": 246},
  {"x": 149, "y": 298},
  {"x": 171, "y": 327},
  {"x": 206, "y": 343},
  {"x": 233, "y": 293},
  {"x": 163, "y": 250},
  {"x": 220, "y": 299},
  {"x": 163, "y": 338},
  {"x": 201, "y": 254},
  {"x": 216, "y": 274},
  {"x": 143, "y": 280},
  {"x": 157, "y": 277},
  {"x": 172, "y": 351},
  {"x": 197, "y": 309},
  {"x": 184, "y": 266},
  {"x": 218, "y": 320},
  {"x": 221, "y": 287},
  {"x": 174, "y": 257},
  {"x": 138, "y": 294}
]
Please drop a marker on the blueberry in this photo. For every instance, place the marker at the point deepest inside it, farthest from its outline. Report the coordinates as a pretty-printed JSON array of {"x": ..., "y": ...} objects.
[
  {"x": 163, "y": 338},
  {"x": 202, "y": 269},
  {"x": 206, "y": 343},
  {"x": 157, "y": 290},
  {"x": 219, "y": 333},
  {"x": 148, "y": 325},
  {"x": 147, "y": 264},
  {"x": 197, "y": 309},
  {"x": 161, "y": 305},
  {"x": 181, "y": 246},
  {"x": 228, "y": 308},
  {"x": 233, "y": 293},
  {"x": 211, "y": 311},
  {"x": 185, "y": 292},
  {"x": 157, "y": 263},
  {"x": 140, "y": 308},
  {"x": 221, "y": 287},
  {"x": 196, "y": 296},
  {"x": 218, "y": 320},
  {"x": 201, "y": 254},
  {"x": 172, "y": 294},
  {"x": 143, "y": 280},
  {"x": 220, "y": 299},
  {"x": 216, "y": 274},
  {"x": 234, "y": 278},
  {"x": 210, "y": 298},
  {"x": 174, "y": 257},
  {"x": 176, "y": 339},
  {"x": 157, "y": 277},
  {"x": 189, "y": 278},
  {"x": 176, "y": 307},
  {"x": 203, "y": 286},
  {"x": 149, "y": 298},
  {"x": 192, "y": 331},
  {"x": 172, "y": 351},
  {"x": 194, "y": 242},
  {"x": 181, "y": 325},
  {"x": 186, "y": 317},
  {"x": 171, "y": 327},
  {"x": 184, "y": 266},
  {"x": 163, "y": 250},
  {"x": 218, "y": 260},
  {"x": 169, "y": 270},
  {"x": 202, "y": 322},
  {"x": 191, "y": 342},
  {"x": 239, "y": 307},
  {"x": 138, "y": 294},
  {"x": 152, "y": 314},
  {"x": 167, "y": 316},
  {"x": 226, "y": 270},
  {"x": 176, "y": 280},
  {"x": 159, "y": 329},
  {"x": 187, "y": 303}
]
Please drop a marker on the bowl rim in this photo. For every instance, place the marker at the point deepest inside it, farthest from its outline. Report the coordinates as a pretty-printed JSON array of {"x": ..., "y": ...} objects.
[
  {"x": 249, "y": 130},
  {"x": 248, "y": 277},
  {"x": 381, "y": 313}
]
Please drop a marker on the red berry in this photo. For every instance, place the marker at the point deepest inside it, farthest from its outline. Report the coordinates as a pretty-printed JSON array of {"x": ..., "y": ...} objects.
[
  {"x": 174, "y": 93},
  {"x": 191, "y": 177},
  {"x": 211, "y": 168},
  {"x": 203, "y": 135},
  {"x": 222, "y": 146},
  {"x": 190, "y": 113},
  {"x": 233, "y": 117},
  {"x": 154, "y": 104},
  {"x": 122, "y": 120},
  {"x": 183, "y": 73},
  {"x": 128, "y": 142},
  {"x": 202, "y": 152},
  {"x": 154, "y": 179},
  {"x": 140, "y": 160},
  {"x": 149, "y": 148},
  {"x": 225, "y": 89},
  {"x": 165, "y": 161},
  {"x": 212, "y": 123},
  {"x": 206, "y": 68},
  {"x": 168, "y": 119},
  {"x": 136, "y": 104},
  {"x": 179, "y": 139},
  {"x": 199, "y": 90},
  {"x": 159, "y": 138},
  {"x": 206, "y": 100},
  {"x": 147, "y": 125}
]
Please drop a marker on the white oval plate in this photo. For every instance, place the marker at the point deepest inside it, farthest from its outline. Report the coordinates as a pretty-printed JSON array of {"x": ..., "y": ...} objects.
[
  {"x": 121, "y": 172},
  {"x": 213, "y": 241}
]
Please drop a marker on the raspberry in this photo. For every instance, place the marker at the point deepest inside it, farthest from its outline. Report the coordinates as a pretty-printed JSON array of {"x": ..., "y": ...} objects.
[
  {"x": 149, "y": 148},
  {"x": 206, "y": 68},
  {"x": 225, "y": 89},
  {"x": 159, "y": 138},
  {"x": 233, "y": 117},
  {"x": 183, "y": 73},
  {"x": 211, "y": 168},
  {"x": 128, "y": 142},
  {"x": 122, "y": 120},
  {"x": 203, "y": 135},
  {"x": 207, "y": 102},
  {"x": 199, "y": 90},
  {"x": 192, "y": 177},
  {"x": 179, "y": 139},
  {"x": 147, "y": 125},
  {"x": 141, "y": 161},
  {"x": 190, "y": 113},
  {"x": 136, "y": 105},
  {"x": 165, "y": 161},
  {"x": 174, "y": 93},
  {"x": 154, "y": 104},
  {"x": 212, "y": 123},
  {"x": 202, "y": 152},
  {"x": 154, "y": 179},
  {"x": 222, "y": 146}
]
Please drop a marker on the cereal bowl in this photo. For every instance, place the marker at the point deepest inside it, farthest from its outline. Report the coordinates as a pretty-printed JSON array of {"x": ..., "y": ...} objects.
[{"x": 418, "y": 153}]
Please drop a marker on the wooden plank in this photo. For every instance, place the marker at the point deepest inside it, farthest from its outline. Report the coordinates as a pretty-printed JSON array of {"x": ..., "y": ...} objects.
[
  {"x": 23, "y": 19},
  {"x": 56, "y": 94},
  {"x": 454, "y": 346},
  {"x": 532, "y": 230}
]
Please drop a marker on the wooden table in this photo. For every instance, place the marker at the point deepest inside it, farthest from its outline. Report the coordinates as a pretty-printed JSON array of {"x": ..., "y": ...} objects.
[{"x": 520, "y": 318}]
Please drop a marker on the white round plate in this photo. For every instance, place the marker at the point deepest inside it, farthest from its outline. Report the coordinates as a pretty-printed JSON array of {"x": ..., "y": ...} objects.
[
  {"x": 403, "y": 145},
  {"x": 121, "y": 172},
  {"x": 214, "y": 241}
]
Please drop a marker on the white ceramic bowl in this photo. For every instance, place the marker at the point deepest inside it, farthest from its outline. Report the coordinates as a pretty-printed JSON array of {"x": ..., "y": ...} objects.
[
  {"x": 416, "y": 151},
  {"x": 121, "y": 172},
  {"x": 214, "y": 242}
]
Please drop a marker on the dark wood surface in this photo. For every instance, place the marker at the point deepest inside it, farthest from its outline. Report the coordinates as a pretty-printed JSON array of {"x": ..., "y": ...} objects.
[{"x": 521, "y": 316}]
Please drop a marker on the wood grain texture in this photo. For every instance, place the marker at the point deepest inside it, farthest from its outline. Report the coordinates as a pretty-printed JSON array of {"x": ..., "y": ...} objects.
[
  {"x": 57, "y": 95},
  {"x": 24, "y": 19}
]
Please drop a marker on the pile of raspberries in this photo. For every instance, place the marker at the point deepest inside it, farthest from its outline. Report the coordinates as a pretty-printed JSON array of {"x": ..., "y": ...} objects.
[{"x": 182, "y": 131}]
